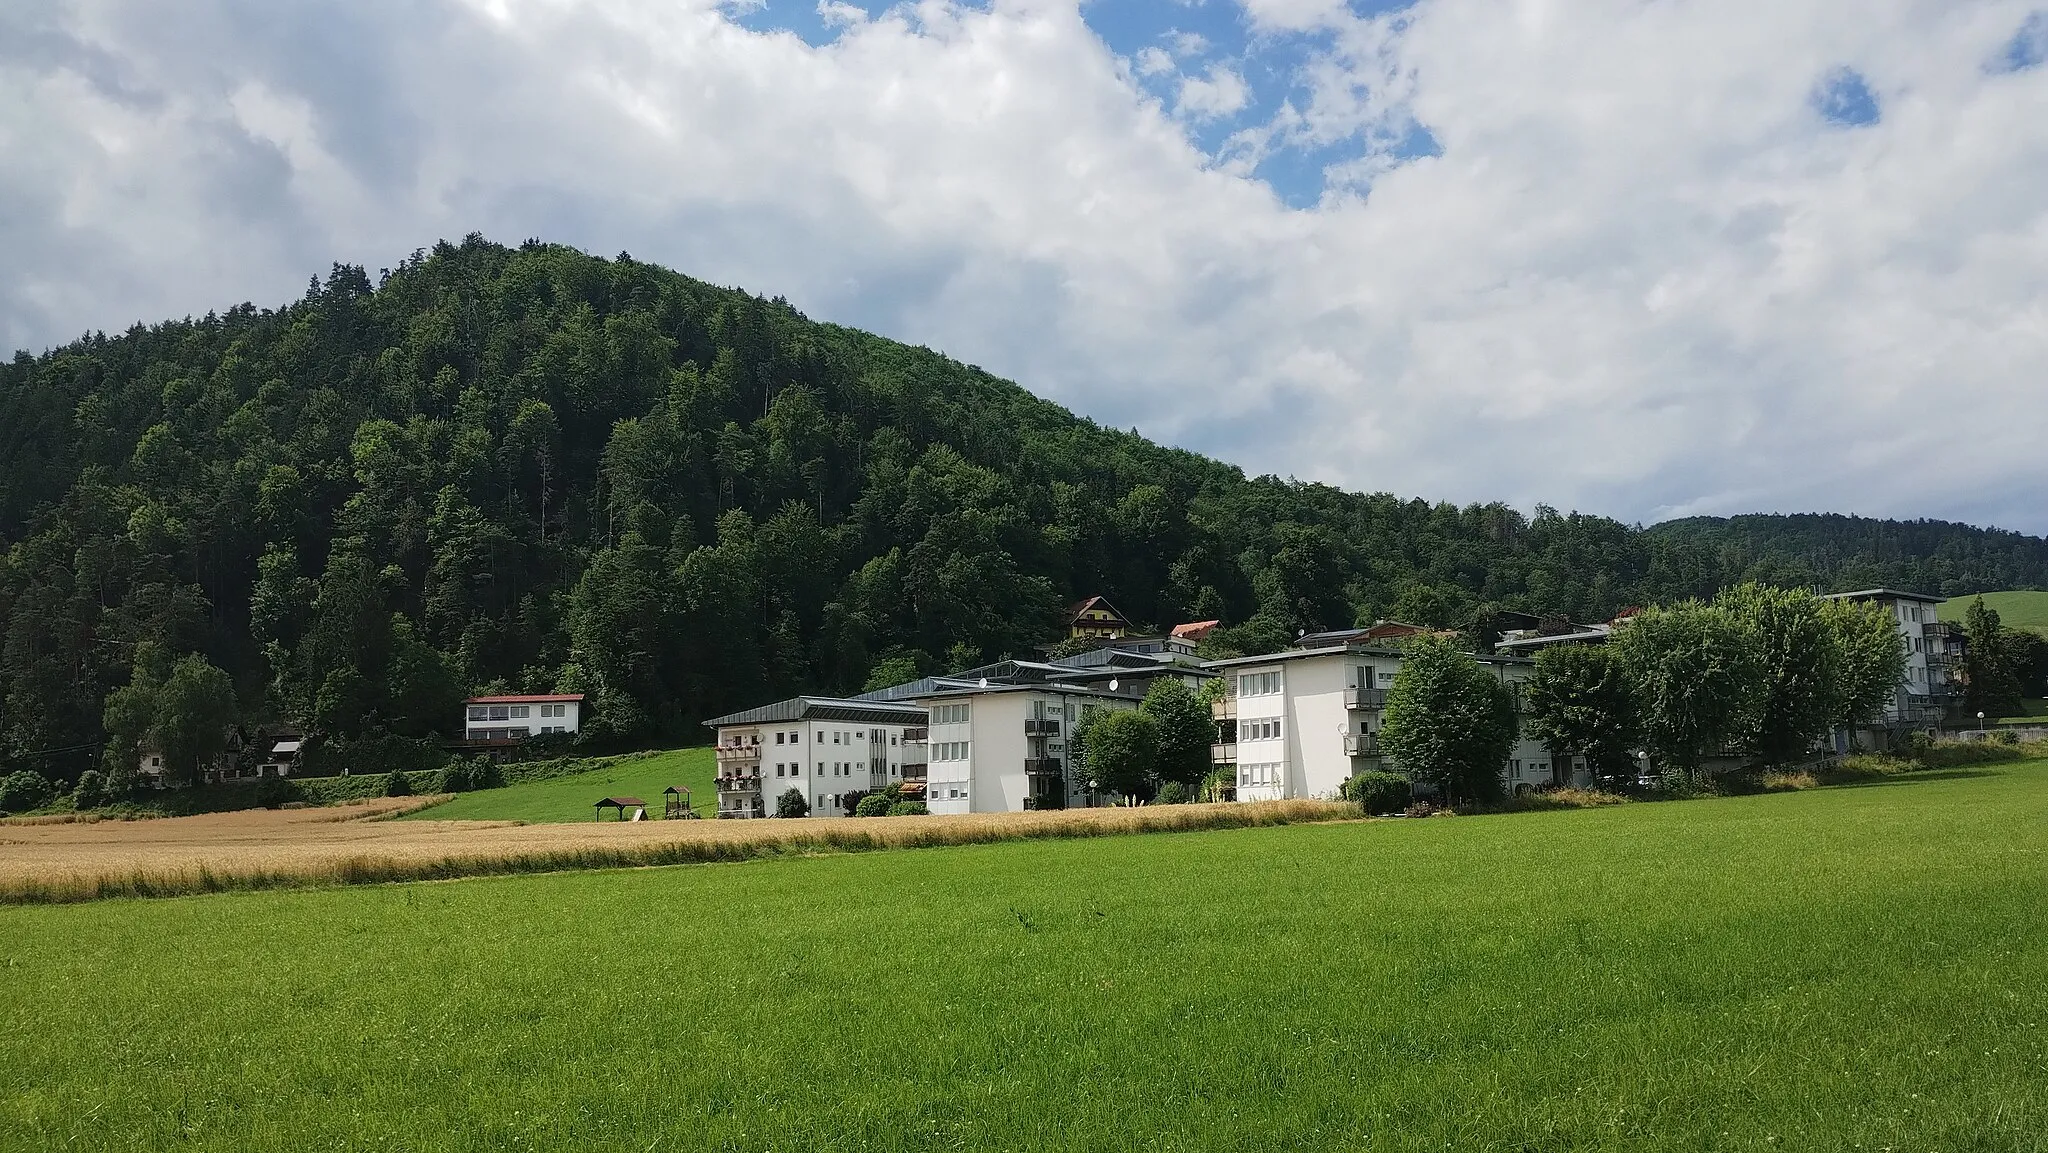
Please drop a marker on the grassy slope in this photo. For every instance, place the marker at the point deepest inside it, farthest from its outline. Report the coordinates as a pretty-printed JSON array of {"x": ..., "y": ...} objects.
[
  {"x": 572, "y": 798},
  {"x": 2024, "y": 610},
  {"x": 1835, "y": 969}
]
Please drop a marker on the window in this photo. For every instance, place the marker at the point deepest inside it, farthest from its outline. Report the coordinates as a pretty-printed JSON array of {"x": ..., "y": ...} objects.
[
  {"x": 1258, "y": 684},
  {"x": 499, "y": 712},
  {"x": 1386, "y": 678},
  {"x": 821, "y": 768},
  {"x": 1259, "y": 730},
  {"x": 778, "y": 740},
  {"x": 950, "y": 714},
  {"x": 521, "y": 712},
  {"x": 835, "y": 736},
  {"x": 1264, "y": 773},
  {"x": 950, "y": 750},
  {"x": 821, "y": 736},
  {"x": 479, "y": 713}
]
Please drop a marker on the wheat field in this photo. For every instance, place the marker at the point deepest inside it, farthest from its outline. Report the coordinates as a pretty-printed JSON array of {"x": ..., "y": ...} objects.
[{"x": 353, "y": 844}]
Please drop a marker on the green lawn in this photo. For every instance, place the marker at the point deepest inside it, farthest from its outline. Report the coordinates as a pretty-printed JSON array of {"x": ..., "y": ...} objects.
[
  {"x": 2022, "y": 610},
  {"x": 573, "y": 798},
  {"x": 1842, "y": 969}
]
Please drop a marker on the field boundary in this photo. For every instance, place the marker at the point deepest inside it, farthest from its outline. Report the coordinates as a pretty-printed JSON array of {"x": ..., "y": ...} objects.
[{"x": 774, "y": 839}]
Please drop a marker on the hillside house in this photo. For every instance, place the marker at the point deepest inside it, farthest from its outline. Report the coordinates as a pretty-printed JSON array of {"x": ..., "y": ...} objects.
[
  {"x": 500, "y": 720},
  {"x": 1096, "y": 618}
]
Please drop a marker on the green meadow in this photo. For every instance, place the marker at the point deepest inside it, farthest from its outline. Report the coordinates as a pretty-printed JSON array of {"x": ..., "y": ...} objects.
[
  {"x": 573, "y": 798},
  {"x": 1850, "y": 968},
  {"x": 2017, "y": 610}
]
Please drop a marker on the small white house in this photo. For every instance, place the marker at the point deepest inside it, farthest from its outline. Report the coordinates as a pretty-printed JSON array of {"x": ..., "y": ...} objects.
[{"x": 518, "y": 717}]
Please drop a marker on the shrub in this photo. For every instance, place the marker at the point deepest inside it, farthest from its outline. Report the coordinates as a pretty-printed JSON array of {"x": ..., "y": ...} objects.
[
  {"x": 275, "y": 792},
  {"x": 1173, "y": 793},
  {"x": 91, "y": 792},
  {"x": 485, "y": 773},
  {"x": 1378, "y": 793},
  {"x": 873, "y": 805},
  {"x": 24, "y": 790},
  {"x": 1552, "y": 799},
  {"x": 397, "y": 785},
  {"x": 455, "y": 778},
  {"x": 1789, "y": 782},
  {"x": 2006, "y": 737},
  {"x": 1953, "y": 754},
  {"x": 792, "y": 804},
  {"x": 908, "y": 809}
]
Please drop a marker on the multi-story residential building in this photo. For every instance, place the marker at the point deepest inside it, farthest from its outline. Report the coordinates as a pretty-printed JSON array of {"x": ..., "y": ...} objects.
[
  {"x": 1932, "y": 687},
  {"x": 1300, "y": 723},
  {"x": 1005, "y": 748},
  {"x": 503, "y": 719},
  {"x": 826, "y": 748}
]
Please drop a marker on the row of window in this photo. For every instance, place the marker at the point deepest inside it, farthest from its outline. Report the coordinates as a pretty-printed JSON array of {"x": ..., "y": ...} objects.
[
  {"x": 949, "y": 714},
  {"x": 1258, "y": 684},
  {"x": 839, "y": 736},
  {"x": 514, "y": 712},
  {"x": 838, "y": 769},
  {"x": 1267, "y": 773},
  {"x": 950, "y": 750},
  {"x": 1260, "y": 730},
  {"x": 949, "y": 794}
]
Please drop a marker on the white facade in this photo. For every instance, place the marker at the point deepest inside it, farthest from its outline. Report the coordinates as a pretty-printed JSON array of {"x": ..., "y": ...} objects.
[
  {"x": 1301, "y": 723},
  {"x": 1933, "y": 650},
  {"x": 823, "y": 760},
  {"x": 1009, "y": 748},
  {"x": 516, "y": 718}
]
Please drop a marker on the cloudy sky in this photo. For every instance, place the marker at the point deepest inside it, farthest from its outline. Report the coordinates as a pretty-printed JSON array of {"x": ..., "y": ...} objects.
[{"x": 1638, "y": 257}]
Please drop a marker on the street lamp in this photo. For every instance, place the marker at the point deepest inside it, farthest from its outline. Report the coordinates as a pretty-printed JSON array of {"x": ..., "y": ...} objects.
[{"x": 1980, "y": 724}]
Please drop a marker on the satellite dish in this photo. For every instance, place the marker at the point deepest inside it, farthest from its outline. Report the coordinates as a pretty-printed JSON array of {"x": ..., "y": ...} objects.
[
  {"x": 983, "y": 683},
  {"x": 1112, "y": 684}
]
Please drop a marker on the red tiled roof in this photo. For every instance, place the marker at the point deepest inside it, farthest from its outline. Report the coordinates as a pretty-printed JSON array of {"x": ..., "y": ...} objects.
[
  {"x": 529, "y": 699},
  {"x": 1195, "y": 630}
]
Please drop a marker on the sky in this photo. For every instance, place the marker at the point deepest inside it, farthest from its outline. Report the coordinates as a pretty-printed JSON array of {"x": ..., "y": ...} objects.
[{"x": 1644, "y": 258}]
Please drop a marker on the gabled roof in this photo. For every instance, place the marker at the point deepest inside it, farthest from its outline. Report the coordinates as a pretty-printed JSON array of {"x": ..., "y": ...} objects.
[
  {"x": 1075, "y": 610},
  {"x": 860, "y": 711}
]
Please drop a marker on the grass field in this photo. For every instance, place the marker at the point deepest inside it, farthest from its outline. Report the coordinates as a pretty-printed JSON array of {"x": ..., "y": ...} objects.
[
  {"x": 1837, "y": 969},
  {"x": 571, "y": 798},
  {"x": 2022, "y": 610}
]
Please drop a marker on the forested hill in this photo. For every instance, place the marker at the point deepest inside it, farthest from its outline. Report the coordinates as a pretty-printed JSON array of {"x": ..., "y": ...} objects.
[
  {"x": 533, "y": 469},
  {"x": 1936, "y": 557}
]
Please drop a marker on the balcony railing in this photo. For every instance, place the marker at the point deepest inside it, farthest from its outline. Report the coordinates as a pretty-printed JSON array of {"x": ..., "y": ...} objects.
[
  {"x": 918, "y": 734},
  {"x": 1041, "y": 727},
  {"x": 1224, "y": 709},
  {"x": 739, "y": 783},
  {"x": 1042, "y": 766},
  {"x": 1361, "y": 744},
  {"x": 1357, "y": 697},
  {"x": 1223, "y": 753},
  {"x": 737, "y": 755}
]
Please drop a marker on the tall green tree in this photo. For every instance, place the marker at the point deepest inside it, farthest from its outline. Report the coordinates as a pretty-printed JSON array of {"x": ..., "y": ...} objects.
[
  {"x": 1120, "y": 750},
  {"x": 1803, "y": 666},
  {"x": 1696, "y": 672},
  {"x": 195, "y": 708},
  {"x": 1451, "y": 722},
  {"x": 1873, "y": 660},
  {"x": 1187, "y": 729},
  {"x": 1579, "y": 703},
  {"x": 1991, "y": 678}
]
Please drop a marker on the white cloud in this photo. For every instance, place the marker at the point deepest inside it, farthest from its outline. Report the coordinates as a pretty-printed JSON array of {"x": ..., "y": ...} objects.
[
  {"x": 1642, "y": 277},
  {"x": 1152, "y": 62},
  {"x": 1218, "y": 92}
]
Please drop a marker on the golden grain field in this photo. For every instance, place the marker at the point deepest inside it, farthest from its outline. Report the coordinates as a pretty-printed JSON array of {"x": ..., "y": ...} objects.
[{"x": 349, "y": 844}]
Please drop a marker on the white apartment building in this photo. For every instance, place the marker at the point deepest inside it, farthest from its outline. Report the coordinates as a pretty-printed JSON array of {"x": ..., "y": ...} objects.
[
  {"x": 826, "y": 748},
  {"x": 518, "y": 717},
  {"x": 1008, "y": 748},
  {"x": 1300, "y": 723},
  {"x": 1933, "y": 658}
]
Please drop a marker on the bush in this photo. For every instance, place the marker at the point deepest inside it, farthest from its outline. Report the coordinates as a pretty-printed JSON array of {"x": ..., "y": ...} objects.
[
  {"x": 22, "y": 791},
  {"x": 1549, "y": 800},
  {"x": 873, "y": 805},
  {"x": 1954, "y": 754},
  {"x": 485, "y": 773},
  {"x": 397, "y": 785},
  {"x": 1173, "y": 793},
  {"x": 455, "y": 777},
  {"x": 908, "y": 809},
  {"x": 792, "y": 804},
  {"x": 91, "y": 792},
  {"x": 2006, "y": 737},
  {"x": 275, "y": 792},
  {"x": 1378, "y": 793}
]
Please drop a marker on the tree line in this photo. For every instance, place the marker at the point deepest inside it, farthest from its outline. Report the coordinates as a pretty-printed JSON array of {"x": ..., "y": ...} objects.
[{"x": 529, "y": 469}]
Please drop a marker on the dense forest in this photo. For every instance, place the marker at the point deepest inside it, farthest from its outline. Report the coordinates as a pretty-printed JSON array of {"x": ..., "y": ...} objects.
[{"x": 531, "y": 469}]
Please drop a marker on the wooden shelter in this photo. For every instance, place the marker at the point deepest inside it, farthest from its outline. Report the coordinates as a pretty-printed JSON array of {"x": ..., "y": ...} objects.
[
  {"x": 621, "y": 804},
  {"x": 678, "y": 805}
]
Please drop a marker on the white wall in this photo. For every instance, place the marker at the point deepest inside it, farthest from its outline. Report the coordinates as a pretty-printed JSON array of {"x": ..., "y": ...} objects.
[{"x": 823, "y": 760}]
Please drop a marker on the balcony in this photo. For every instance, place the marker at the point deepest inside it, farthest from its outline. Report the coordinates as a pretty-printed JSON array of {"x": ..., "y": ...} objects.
[
  {"x": 738, "y": 757},
  {"x": 738, "y": 783},
  {"x": 1223, "y": 754},
  {"x": 1041, "y": 727},
  {"x": 1361, "y": 744},
  {"x": 920, "y": 735},
  {"x": 1356, "y": 697},
  {"x": 1224, "y": 709},
  {"x": 1042, "y": 766}
]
